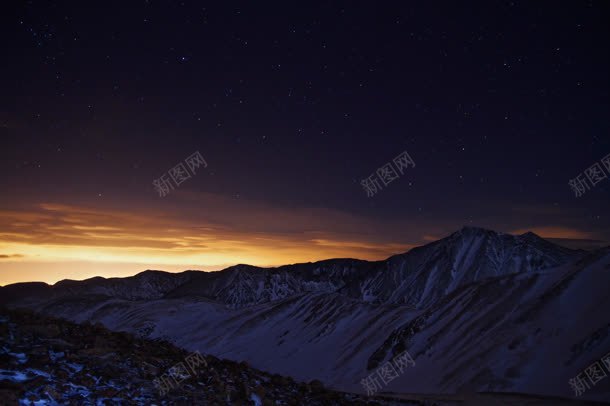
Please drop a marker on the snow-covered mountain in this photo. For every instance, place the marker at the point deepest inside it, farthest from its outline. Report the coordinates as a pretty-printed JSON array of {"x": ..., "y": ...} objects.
[
  {"x": 426, "y": 274},
  {"x": 478, "y": 310},
  {"x": 417, "y": 278}
]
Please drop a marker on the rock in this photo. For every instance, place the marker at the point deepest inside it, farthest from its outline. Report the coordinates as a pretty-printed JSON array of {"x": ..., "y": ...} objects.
[
  {"x": 34, "y": 382},
  {"x": 49, "y": 390},
  {"x": 46, "y": 331},
  {"x": 61, "y": 374},
  {"x": 107, "y": 392},
  {"x": 101, "y": 342},
  {"x": 10, "y": 392},
  {"x": 150, "y": 370},
  {"x": 316, "y": 386}
]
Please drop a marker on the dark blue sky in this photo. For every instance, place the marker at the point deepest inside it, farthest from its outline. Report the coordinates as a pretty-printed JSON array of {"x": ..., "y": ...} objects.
[{"x": 499, "y": 103}]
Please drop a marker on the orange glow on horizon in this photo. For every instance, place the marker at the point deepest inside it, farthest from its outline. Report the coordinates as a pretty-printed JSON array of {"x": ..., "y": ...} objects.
[
  {"x": 82, "y": 242},
  {"x": 49, "y": 242}
]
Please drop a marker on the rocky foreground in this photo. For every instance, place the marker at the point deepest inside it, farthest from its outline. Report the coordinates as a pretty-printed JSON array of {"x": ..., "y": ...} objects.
[{"x": 48, "y": 361}]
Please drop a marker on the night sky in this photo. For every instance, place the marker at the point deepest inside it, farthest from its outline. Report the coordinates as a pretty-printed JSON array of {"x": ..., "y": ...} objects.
[{"x": 499, "y": 104}]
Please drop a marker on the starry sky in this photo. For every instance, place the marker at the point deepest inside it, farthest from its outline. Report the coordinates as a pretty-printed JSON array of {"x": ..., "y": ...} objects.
[{"x": 499, "y": 104}]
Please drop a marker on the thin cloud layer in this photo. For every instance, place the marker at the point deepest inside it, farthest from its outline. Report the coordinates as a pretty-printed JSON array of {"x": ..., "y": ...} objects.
[{"x": 67, "y": 234}]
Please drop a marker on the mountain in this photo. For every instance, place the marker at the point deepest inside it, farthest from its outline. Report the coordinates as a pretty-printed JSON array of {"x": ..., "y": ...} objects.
[
  {"x": 477, "y": 310},
  {"x": 51, "y": 362},
  {"x": 424, "y": 275},
  {"x": 417, "y": 278}
]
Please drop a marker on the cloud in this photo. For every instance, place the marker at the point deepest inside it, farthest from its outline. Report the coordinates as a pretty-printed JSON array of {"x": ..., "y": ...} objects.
[
  {"x": 557, "y": 232},
  {"x": 583, "y": 244},
  {"x": 196, "y": 230},
  {"x": 567, "y": 237},
  {"x": 4, "y": 256}
]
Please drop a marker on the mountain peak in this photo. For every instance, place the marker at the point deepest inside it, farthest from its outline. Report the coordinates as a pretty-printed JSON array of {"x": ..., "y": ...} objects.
[
  {"x": 530, "y": 234},
  {"x": 151, "y": 273},
  {"x": 476, "y": 230}
]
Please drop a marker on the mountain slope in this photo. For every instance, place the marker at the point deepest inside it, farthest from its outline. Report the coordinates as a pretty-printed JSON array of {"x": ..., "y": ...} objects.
[
  {"x": 477, "y": 310},
  {"x": 48, "y": 361}
]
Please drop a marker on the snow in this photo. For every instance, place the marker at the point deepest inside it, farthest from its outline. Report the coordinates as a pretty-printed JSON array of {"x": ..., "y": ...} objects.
[
  {"x": 256, "y": 399},
  {"x": 14, "y": 376},
  {"x": 21, "y": 357},
  {"x": 74, "y": 367},
  {"x": 55, "y": 355},
  {"x": 42, "y": 402},
  {"x": 39, "y": 373}
]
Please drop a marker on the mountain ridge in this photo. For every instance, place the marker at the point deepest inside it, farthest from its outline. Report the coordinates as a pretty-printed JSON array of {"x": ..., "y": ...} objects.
[
  {"x": 475, "y": 310},
  {"x": 243, "y": 285}
]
